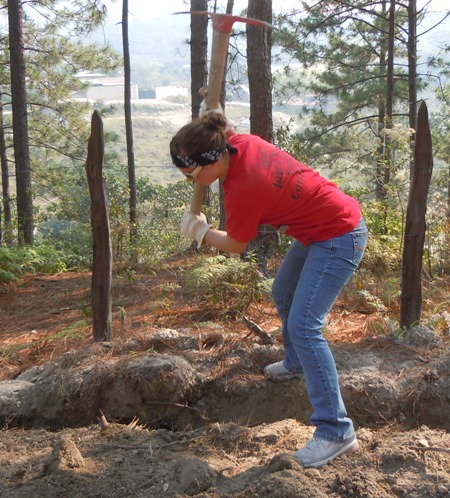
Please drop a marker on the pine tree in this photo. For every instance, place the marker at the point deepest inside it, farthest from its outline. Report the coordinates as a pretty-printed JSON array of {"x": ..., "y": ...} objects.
[
  {"x": 352, "y": 56},
  {"x": 20, "y": 123},
  {"x": 55, "y": 51}
]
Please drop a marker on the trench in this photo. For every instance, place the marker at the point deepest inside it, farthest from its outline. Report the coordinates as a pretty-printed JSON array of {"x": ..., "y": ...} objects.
[{"x": 392, "y": 384}]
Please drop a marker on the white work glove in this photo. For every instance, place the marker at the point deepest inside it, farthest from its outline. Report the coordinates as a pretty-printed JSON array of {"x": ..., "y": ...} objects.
[
  {"x": 204, "y": 109},
  {"x": 194, "y": 226}
]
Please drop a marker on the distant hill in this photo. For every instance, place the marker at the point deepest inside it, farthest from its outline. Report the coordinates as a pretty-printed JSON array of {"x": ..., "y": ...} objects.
[
  {"x": 153, "y": 40},
  {"x": 165, "y": 39}
]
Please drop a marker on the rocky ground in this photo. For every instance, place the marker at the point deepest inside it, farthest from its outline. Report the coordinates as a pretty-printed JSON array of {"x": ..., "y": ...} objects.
[{"x": 176, "y": 406}]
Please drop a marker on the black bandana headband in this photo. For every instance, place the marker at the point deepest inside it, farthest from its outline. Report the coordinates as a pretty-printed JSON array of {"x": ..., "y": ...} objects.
[{"x": 196, "y": 160}]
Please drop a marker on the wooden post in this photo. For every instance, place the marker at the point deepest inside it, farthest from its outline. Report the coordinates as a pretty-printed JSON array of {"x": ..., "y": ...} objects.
[
  {"x": 102, "y": 254},
  {"x": 415, "y": 227}
]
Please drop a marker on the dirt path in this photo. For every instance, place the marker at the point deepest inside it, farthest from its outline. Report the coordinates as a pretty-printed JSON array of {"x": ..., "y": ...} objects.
[
  {"x": 226, "y": 460},
  {"x": 232, "y": 433}
]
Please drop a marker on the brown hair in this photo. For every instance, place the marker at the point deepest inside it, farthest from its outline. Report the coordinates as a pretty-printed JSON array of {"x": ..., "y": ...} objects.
[{"x": 200, "y": 135}]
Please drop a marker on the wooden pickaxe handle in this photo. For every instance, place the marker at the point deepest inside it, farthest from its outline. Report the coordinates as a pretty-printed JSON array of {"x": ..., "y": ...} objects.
[
  {"x": 219, "y": 52},
  {"x": 222, "y": 26},
  {"x": 197, "y": 199}
]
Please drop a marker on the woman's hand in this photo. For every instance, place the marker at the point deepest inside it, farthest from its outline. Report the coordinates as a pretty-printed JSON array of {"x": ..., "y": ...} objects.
[{"x": 195, "y": 227}]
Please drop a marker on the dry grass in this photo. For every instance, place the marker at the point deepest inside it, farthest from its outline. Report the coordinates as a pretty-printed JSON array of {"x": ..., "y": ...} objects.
[{"x": 46, "y": 316}]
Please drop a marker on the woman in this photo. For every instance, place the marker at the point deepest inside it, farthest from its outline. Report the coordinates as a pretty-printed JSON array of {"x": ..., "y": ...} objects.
[{"x": 264, "y": 185}]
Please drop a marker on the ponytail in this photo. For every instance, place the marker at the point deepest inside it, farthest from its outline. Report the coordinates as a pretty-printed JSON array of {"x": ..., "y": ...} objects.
[{"x": 202, "y": 134}]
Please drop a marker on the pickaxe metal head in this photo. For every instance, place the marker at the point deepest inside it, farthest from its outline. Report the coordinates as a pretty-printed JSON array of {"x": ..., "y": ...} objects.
[{"x": 224, "y": 22}]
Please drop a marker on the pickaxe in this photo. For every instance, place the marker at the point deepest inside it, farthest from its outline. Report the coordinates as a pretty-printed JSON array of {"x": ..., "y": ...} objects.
[{"x": 222, "y": 26}]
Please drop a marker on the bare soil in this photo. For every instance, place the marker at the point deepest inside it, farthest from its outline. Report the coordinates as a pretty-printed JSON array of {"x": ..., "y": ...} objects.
[{"x": 236, "y": 434}]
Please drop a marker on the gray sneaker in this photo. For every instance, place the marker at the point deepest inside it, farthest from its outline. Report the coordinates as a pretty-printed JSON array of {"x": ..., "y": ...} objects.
[
  {"x": 277, "y": 372},
  {"x": 318, "y": 452}
]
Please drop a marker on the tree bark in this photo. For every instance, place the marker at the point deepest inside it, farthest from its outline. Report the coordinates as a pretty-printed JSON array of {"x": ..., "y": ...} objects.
[
  {"x": 129, "y": 124},
  {"x": 387, "y": 159},
  {"x": 102, "y": 252},
  {"x": 25, "y": 219},
  {"x": 199, "y": 72},
  {"x": 259, "y": 54},
  {"x": 5, "y": 226},
  {"x": 412, "y": 69},
  {"x": 199, "y": 54},
  {"x": 380, "y": 191},
  {"x": 415, "y": 227},
  {"x": 447, "y": 232}
]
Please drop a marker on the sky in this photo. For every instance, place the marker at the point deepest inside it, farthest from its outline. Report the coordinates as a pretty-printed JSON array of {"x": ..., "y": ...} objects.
[
  {"x": 148, "y": 9},
  {"x": 151, "y": 9}
]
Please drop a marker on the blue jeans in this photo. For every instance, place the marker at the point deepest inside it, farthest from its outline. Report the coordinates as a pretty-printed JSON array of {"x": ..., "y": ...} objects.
[{"x": 307, "y": 284}]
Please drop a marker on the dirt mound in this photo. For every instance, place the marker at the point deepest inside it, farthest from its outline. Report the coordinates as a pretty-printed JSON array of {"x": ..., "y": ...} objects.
[{"x": 171, "y": 378}]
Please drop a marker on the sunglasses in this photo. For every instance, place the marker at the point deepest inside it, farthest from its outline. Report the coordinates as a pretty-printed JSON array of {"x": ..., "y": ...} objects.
[{"x": 193, "y": 174}]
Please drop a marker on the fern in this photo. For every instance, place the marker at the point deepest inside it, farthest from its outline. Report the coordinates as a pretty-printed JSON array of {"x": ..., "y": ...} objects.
[
  {"x": 14, "y": 262},
  {"x": 7, "y": 277},
  {"x": 227, "y": 281}
]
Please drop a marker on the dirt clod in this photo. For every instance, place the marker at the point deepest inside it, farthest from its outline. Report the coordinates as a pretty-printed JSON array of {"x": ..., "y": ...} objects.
[{"x": 64, "y": 456}]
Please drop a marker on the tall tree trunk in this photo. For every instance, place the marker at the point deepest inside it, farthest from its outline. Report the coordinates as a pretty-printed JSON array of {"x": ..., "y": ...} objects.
[
  {"x": 129, "y": 124},
  {"x": 5, "y": 227},
  {"x": 389, "y": 98},
  {"x": 259, "y": 52},
  {"x": 412, "y": 71},
  {"x": 380, "y": 193},
  {"x": 229, "y": 11},
  {"x": 199, "y": 73},
  {"x": 199, "y": 54},
  {"x": 20, "y": 124},
  {"x": 411, "y": 297},
  {"x": 447, "y": 231},
  {"x": 223, "y": 215}
]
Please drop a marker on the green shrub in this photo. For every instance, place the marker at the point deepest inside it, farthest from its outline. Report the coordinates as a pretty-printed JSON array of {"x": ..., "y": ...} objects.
[
  {"x": 14, "y": 262},
  {"x": 160, "y": 210},
  {"x": 384, "y": 248},
  {"x": 224, "y": 281},
  {"x": 71, "y": 240}
]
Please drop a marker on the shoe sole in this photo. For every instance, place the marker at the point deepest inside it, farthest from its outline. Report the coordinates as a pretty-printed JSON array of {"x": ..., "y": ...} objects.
[
  {"x": 349, "y": 448},
  {"x": 283, "y": 378}
]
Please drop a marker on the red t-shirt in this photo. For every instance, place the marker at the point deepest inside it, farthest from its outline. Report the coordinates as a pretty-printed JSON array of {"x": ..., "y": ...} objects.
[{"x": 265, "y": 185}]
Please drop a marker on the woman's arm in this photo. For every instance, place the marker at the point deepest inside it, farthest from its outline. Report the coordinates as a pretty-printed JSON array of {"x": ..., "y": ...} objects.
[{"x": 220, "y": 240}]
